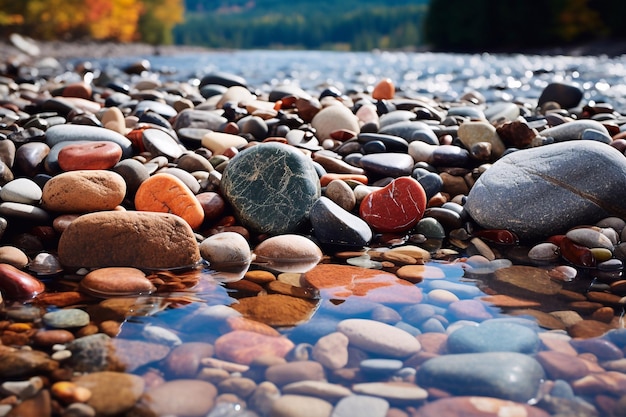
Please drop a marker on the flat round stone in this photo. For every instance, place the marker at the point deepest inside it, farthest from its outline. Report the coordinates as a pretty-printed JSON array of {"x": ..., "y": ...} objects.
[
  {"x": 116, "y": 281},
  {"x": 271, "y": 187}
]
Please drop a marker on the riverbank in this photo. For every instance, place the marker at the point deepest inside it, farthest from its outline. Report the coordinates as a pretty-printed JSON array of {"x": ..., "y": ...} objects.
[{"x": 98, "y": 50}]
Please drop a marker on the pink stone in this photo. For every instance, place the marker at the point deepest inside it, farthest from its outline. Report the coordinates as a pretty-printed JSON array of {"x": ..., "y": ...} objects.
[
  {"x": 396, "y": 207},
  {"x": 242, "y": 346},
  {"x": 18, "y": 285},
  {"x": 89, "y": 155}
]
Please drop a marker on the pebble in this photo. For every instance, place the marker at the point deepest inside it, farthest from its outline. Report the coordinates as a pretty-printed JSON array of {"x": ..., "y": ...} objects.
[
  {"x": 225, "y": 250},
  {"x": 83, "y": 191},
  {"x": 165, "y": 193},
  {"x": 379, "y": 338},
  {"x": 396, "y": 207},
  {"x": 510, "y": 178},
  {"x": 21, "y": 190},
  {"x": 300, "y": 405},
  {"x": 288, "y": 253},
  {"x": 16, "y": 284},
  {"x": 89, "y": 155},
  {"x": 493, "y": 336},
  {"x": 101, "y": 239},
  {"x": 116, "y": 281},
  {"x": 271, "y": 187},
  {"x": 66, "y": 318},
  {"x": 483, "y": 374},
  {"x": 241, "y": 346},
  {"x": 193, "y": 398}
]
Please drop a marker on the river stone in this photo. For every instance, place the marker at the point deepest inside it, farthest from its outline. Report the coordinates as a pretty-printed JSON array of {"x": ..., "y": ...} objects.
[
  {"x": 180, "y": 397},
  {"x": 136, "y": 239},
  {"x": 332, "y": 118},
  {"x": 574, "y": 130},
  {"x": 491, "y": 336},
  {"x": 84, "y": 191},
  {"x": 271, "y": 187},
  {"x": 21, "y": 190},
  {"x": 66, "y": 318},
  {"x": 549, "y": 189},
  {"x": 506, "y": 375},
  {"x": 477, "y": 407},
  {"x": 567, "y": 95},
  {"x": 113, "y": 393},
  {"x": 379, "y": 338},
  {"x": 72, "y": 133},
  {"x": 300, "y": 405},
  {"x": 336, "y": 227}
]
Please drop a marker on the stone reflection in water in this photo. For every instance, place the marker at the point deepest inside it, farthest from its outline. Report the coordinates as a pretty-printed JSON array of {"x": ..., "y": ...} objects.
[{"x": 288, "y": 253}]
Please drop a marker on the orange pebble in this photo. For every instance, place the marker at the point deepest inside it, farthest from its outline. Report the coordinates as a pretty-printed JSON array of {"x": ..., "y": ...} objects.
[
  {"x": 327, "y": 178},
  {"x": 164, "y": 193},
  {"x": 384, "y": 90},
  {"x": 69, "y": 392}
]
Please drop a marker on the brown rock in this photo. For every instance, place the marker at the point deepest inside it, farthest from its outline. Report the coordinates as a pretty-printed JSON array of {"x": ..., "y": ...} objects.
[
  {"x": 525, "y": 281},
  {"x": 48, "y": 338},
  {"x": 562, "y": 366},
  {"x": 283, "y": 374},
  {"x": 516, "y": 134},
  {"x": 545, "y": 320},
  {"x": 116, "y": 281},
  {"x": 276, "y": 309},
  {"x": 23, "y": 363},
  {"x": 586, "y": 329},
  {"x": 83, "y": 191},
  {"x": 184, "y": 361},
  {"x": 135, "y": 239},
  {"x": 113, "y": 393},
  {"x": 343, "y": 281},
  {"x": 36, "y": 406}
]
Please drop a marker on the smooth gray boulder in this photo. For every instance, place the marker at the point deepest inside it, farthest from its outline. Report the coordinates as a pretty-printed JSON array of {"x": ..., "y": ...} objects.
[{"x": 549, "y": 189}]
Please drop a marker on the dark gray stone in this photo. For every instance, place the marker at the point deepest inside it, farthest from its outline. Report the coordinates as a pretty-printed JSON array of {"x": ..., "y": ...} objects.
[
  {"x": 507, "y": 375},
  {"x": 574, "y": 130},
  {"x": 566, "y": 95},
  {"x": 223, "y": 78},
  {"x": 388, "y": 164},
  {"x": 392, "y": 143},
  {"x": 332, "y": 225},
  {"x": 490, "y": 336},
  {"x": 412, "y": 131},
  {"x": 271, "y": 187},
  {"x": 547, "y": 190},
  {"x": 198, "y": 119}
]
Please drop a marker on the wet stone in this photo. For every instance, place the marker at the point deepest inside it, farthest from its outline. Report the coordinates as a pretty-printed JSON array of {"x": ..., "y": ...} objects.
[
  {"x": 505, "y": 375},
  {"x": 188, "y": 397},
  {"x": 492, "y": 336},
  {"x": 66, "y": 318},
  {"x": 388, "y": 164},
  {"x": 337, "y": 227},
  {"x": 379, "y": 338},
  {"x": 111, "y": 392}
]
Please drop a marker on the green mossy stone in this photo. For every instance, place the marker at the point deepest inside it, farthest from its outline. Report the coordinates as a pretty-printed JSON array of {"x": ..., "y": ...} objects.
[{"x": 271, "y": 188}]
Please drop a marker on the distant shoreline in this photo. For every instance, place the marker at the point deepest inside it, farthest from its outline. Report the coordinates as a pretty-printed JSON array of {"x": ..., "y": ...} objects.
[{"x": 96, "y": 50}]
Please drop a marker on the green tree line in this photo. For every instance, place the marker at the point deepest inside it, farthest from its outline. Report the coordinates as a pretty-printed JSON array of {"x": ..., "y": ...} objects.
[
  {"x": 521, "y": 24},
  {"x": 306, "y": 24}
]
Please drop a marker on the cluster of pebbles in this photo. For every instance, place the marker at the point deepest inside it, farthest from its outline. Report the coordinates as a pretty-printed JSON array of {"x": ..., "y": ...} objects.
[{"x": 206, "y": 249}]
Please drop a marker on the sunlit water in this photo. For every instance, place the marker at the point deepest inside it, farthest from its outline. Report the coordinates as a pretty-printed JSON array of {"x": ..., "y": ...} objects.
[{"x": 436, "y": 75}]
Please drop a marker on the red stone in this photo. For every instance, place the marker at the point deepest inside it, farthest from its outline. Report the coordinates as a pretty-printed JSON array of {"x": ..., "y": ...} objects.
[
  {"x": 395, "y": 208},
  {"x": 89, "y": 155},
  {"x": 501, "y": 236},
  {"x": 79, "y": 89},
  {"x": 212, "y": 203},
  {"x": 576, "y": 254},
  {"x": 18, "y": 285}
]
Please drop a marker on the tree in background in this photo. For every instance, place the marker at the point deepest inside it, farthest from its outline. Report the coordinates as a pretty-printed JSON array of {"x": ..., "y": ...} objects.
[
  {"x": 494, "y": 24},
  {"x": 119, "y": 20}
]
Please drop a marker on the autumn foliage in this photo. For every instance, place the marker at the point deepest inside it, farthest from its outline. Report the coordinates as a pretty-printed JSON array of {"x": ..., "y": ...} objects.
[{"x": 119, "y": 20}]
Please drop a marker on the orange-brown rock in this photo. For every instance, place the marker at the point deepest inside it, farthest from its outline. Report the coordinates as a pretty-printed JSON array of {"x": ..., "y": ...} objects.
[
  {"x": 244, "y": 347},
  {"x": 89, "y": 155},
  {"x": 343, "y": 281},
  {"x": 384, "y": 90},
  {"x": 83, "y": 191},
  {"x": 165, "y": 193},
  {"x": 128, "y": 238},
  {"x": 276, "y": 309}
]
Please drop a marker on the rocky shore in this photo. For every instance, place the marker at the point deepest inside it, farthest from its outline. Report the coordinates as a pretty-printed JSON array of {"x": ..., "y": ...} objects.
[{"x": 203, "y": 249}]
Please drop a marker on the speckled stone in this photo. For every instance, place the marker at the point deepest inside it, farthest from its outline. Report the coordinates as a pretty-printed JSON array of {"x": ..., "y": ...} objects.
[
  {"x": 66, "y": 318},
  {"x": 113, "y": 393},
  {"x": 159, "y": 240},
  {"x": 545, "y": 190},
  {"x": 506, "y": 375},
  {"x": 271, "y": 187}
]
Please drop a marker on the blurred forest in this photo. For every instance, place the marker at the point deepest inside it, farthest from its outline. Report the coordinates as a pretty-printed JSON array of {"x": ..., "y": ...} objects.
[{"x": 444, "y": 25}]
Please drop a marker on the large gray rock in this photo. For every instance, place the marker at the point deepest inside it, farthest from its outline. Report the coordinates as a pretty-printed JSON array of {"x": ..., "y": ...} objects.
[
  {"x": 507, "y": 375},
  {"x": 547, "y": 190}
]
